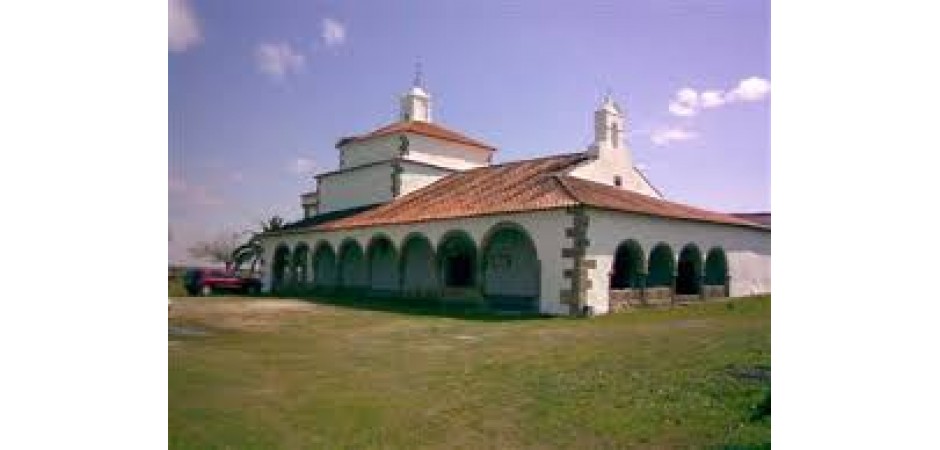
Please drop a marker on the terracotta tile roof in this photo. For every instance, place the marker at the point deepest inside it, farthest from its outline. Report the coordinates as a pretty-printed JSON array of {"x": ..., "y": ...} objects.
[
  {"x": 422, "y": 128},
  {"x": 609, "y": 197},
  {"x": 318, "y": 219},
  {"x": 517, "y": 186},
  {"x": 762, "y": 218},
  {"x": 530, "y": 185}
]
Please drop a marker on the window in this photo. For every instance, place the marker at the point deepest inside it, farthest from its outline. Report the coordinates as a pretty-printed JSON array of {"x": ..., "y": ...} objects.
[{"x": 618, "y": 181}]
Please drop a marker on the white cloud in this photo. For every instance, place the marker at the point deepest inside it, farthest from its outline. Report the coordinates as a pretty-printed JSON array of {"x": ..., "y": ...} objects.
[
  {"x": 688, "y": 102},
  {"x": 712, "y": 99},
  {"x": 750, "y": 90},
  {"x": 681, "y": 110},
  {"x": 303, "y": 166},
  {"x": 665, "y": 136},
  {"x": 685, "y": 104},
  {"x": 184, "y": 27},
  {"x": 278, "y": 60},
  {"x": 334, "y": 33}
]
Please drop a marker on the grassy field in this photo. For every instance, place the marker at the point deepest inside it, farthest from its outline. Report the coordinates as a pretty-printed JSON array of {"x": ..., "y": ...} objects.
[{"x": 270, "y": 373}]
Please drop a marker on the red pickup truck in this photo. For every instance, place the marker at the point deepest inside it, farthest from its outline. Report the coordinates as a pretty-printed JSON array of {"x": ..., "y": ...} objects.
[{"x": 208, "y": 281}]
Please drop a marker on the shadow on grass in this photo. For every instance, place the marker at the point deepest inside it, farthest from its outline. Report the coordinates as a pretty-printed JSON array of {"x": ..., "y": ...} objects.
[{"x": 455, "y": 309}]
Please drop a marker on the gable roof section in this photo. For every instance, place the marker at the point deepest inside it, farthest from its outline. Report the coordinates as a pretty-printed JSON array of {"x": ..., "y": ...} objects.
[
  {"x": 512, "y": 187},
  {"x": 318, "y": 219},
  {"x": 762, "y": 218},
  {"x": 529, "y": 185},
  {"x": 608, "y": 197},
  {"x": 421, "y": 128}
]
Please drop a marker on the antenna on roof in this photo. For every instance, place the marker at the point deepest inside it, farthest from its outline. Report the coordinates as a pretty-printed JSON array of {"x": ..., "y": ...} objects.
[{"x": 419, "y": 77}]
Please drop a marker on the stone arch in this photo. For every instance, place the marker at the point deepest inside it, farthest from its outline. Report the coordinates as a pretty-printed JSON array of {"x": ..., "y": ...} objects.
[
  {"x": 689, "y": 271},
  {"x": 299, "y": 268},
  {"x": 324, "y": 265},
  {"x": 280, "y": 266},
  {"x": 662, "y": 266},
  {"x": 418, "y": 273},
  {"x": 511, "y": 272},
  {"x": 716, "y": 272},
  {"x": 382, "y": 262},
  {"x": 457, "y": 260},
  {"x": 629, "y": 266},
  {"x": 352, "y": 266}
]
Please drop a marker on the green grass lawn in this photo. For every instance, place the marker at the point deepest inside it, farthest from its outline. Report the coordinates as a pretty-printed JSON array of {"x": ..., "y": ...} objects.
[{"x": 317, "y": 375}]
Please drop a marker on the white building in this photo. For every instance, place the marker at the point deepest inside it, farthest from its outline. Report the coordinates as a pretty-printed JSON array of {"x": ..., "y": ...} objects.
[{"x": 416, "y": 209}]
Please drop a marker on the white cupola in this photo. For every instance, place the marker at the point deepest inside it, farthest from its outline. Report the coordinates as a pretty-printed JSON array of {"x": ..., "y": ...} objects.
[
  {"x": 416, "y": 103},
  {"x": 608, "y": 125}
]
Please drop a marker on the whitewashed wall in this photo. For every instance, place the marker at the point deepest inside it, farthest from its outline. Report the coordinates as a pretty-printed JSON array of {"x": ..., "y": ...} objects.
[
  {"x": 420, "y": 148},
  {"x": 546, "y": 228},
  {"x": 358, "y": 187},
  {"x": 444, "y": 153},
  {"x": 416, "y": 176},
  {"x": 747, "y": 250},
  {"x": 639, "y": 184},
  {"x": 373, "y": 150}
]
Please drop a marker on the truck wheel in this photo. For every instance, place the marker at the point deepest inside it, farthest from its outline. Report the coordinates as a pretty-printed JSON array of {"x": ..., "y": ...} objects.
[{"x": 206, "y": 290}]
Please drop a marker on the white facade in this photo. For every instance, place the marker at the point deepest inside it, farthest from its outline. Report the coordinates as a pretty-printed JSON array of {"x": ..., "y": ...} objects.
[
  {"x": 362, "y": 186},
  {"x": 416, "y": 176},
  {"x": 747, "y": 249},
  {"x": 416, "y": 105},
  {"x": 377, "y": 149},
  {"x": 545, "y": 229},
  {"x": 445, "y": 153},
  {"x": 611, "y": 160},
  {"x": 574, "y": 248}
]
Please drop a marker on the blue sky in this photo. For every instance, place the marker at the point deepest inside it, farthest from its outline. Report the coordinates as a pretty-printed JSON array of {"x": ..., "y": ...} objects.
[{"x": 259, "y": 92}]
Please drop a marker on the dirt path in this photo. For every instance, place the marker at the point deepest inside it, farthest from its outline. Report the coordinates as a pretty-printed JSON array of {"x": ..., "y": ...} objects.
[{"x": 238, "y": 314}]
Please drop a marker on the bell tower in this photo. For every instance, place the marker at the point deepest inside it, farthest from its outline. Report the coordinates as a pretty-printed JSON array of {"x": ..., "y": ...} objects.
[
  {"x": 609, "y": 128},
  {"x": 416, "y": 103},
  {"x": 608, "y": 125}
]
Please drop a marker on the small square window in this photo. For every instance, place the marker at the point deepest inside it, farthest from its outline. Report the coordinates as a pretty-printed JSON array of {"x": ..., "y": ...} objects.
[{"x": 618, "y": 181}]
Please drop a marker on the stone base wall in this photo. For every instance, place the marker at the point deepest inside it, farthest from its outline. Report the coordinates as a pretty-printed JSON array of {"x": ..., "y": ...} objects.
[
  {"x": 715, "y": 291},
  {"x": 688, "y": 298},
  {"x": 624, "y": 299},
  {"x": 658, "y": 296}
]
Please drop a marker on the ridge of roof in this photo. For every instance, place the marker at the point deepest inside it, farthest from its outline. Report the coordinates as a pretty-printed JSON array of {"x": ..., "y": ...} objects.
[
  {"x": 395, "y": 159},
  {"x": 422, "y": 128},
  {"x": 648, "y": 182}
]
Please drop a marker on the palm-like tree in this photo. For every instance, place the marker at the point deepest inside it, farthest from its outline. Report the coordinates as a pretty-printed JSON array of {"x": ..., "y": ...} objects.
[{"x": 251, "y": 251}]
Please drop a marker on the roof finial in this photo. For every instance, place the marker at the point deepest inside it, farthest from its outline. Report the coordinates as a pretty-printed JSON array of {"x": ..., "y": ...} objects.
[
  {"x": 419, "y": 78},
  {"x": 608, "y": 94}
]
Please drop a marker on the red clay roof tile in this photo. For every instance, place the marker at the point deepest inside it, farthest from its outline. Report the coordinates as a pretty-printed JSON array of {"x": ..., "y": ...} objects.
[
  {"x": 517, "y": 186},
  {"x": 530, "y": 185},
  {"x": 422, "y": 128},
  {"x": 608, "y": 197}
]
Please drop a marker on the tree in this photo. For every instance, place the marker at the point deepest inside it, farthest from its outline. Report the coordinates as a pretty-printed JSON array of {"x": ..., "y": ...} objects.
[
  {"x": 273, "y": 224},
  {"x": 221, "y": 249},
  {"x": 251, "y": 251}
]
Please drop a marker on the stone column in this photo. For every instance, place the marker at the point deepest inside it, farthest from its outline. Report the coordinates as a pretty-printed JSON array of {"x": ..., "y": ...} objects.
[
  {"x": 641, "y": 285},
  {"x": 701, "y": 287},
  {"x": 672, "y": 287}
]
